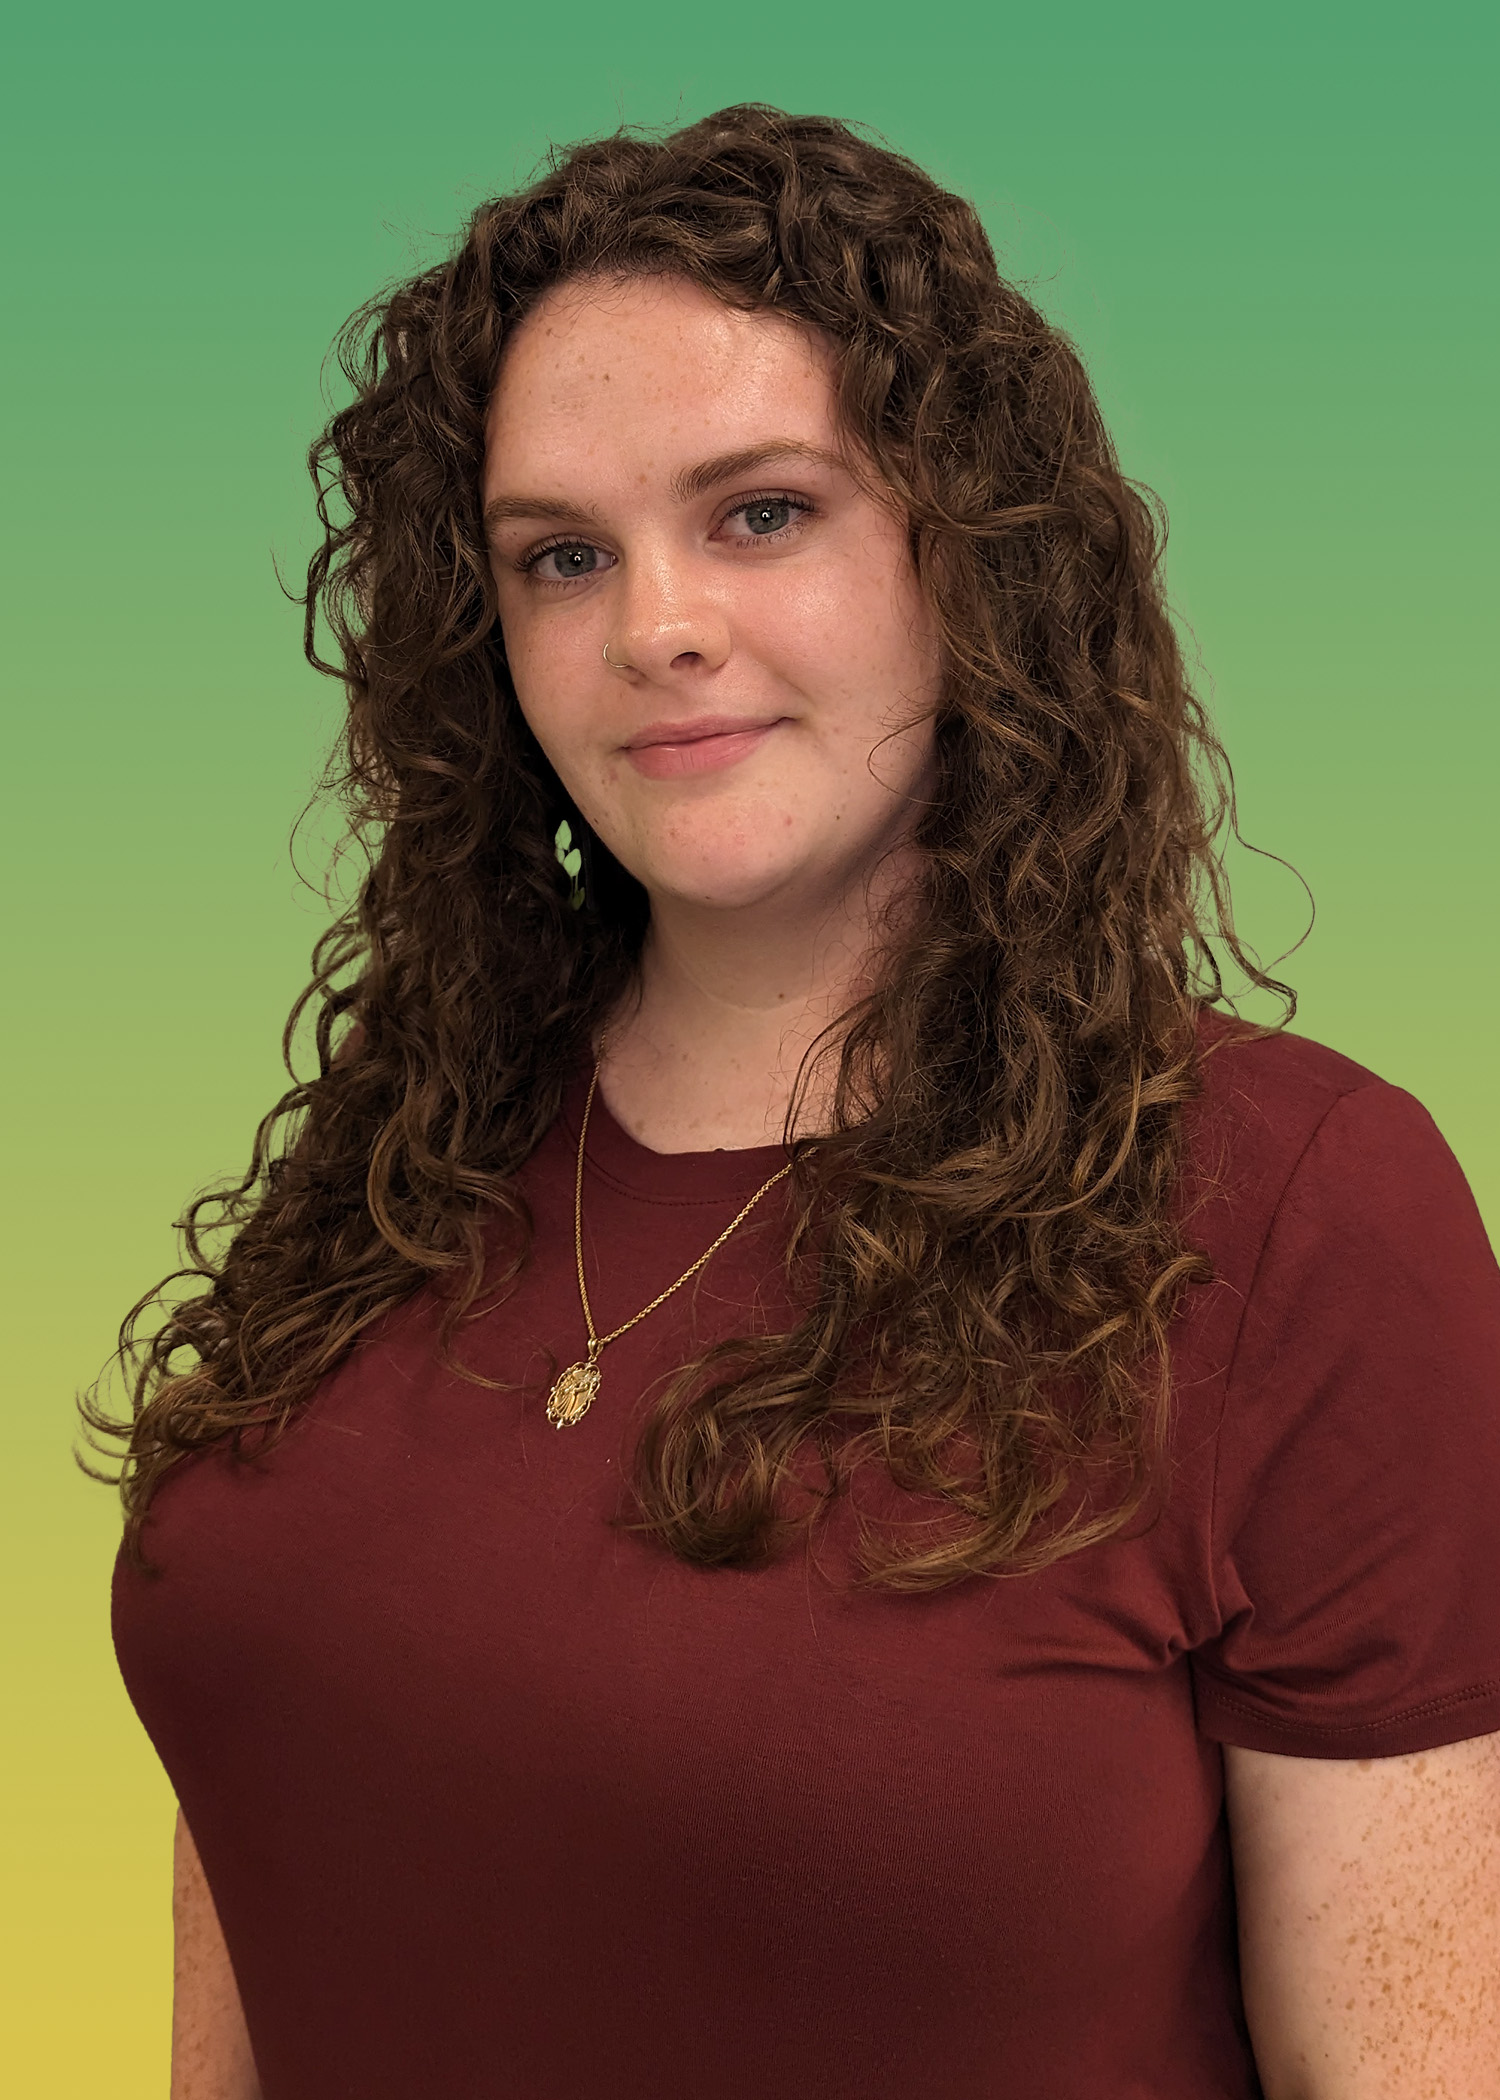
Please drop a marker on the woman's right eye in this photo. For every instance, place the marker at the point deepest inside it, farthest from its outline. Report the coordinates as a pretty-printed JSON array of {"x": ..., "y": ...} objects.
[{"x": 566, "y": 560}]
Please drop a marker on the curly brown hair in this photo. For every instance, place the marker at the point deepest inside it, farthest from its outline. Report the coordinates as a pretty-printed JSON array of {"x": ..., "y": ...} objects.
[{"x": 986, "y": 1243}]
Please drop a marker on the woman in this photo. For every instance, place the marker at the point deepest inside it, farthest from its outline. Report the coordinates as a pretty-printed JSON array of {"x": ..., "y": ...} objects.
[{"x": 809, "y": 1476}]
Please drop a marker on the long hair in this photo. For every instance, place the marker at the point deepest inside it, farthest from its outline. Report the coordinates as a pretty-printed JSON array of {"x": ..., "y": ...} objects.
[{"x": 987, "y": 1243}]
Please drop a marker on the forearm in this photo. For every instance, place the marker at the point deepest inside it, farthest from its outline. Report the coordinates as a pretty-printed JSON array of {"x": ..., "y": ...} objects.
[{"x": 211, "y": 2057}]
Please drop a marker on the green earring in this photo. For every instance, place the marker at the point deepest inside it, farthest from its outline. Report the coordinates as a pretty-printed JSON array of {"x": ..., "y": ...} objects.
[{"x": 570, "y": 860}]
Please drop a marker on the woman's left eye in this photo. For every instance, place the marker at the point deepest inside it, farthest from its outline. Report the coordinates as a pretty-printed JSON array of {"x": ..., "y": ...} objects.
[{"x": 767, "y": 516}]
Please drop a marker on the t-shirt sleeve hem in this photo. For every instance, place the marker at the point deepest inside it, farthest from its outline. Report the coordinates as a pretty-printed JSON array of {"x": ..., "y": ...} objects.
[{"x": 1427, "y": 1726}]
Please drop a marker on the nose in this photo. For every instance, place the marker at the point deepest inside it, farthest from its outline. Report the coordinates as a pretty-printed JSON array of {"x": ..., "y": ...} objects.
[{"x": 669, "y": 625}]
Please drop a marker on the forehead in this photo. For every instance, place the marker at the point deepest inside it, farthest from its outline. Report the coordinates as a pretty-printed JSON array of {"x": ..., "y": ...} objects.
[{"x": 643, "y": 373}]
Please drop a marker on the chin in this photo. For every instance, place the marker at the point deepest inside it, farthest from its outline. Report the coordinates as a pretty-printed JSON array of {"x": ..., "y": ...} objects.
[{"x": 719, "y": 881}]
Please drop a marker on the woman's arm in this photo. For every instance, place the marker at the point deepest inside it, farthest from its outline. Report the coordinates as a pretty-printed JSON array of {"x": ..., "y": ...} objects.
[
  {"x": 211, "y": 2057},
  {"x": 1369, "y": 1918}
]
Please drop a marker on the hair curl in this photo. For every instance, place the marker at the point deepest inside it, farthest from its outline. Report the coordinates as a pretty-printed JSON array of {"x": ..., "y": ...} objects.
[{"x": 987, "y": 1240}]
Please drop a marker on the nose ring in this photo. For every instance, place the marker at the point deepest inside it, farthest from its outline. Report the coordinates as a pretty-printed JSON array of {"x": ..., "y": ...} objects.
[{"x": 613, "y": 667}]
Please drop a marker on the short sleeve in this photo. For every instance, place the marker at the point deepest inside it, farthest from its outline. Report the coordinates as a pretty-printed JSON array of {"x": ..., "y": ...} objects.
[{"x": 1356, "y": 1528}]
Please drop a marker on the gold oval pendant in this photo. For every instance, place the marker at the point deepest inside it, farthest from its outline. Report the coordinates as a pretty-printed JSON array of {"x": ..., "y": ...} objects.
[{"x": 573, "y": 1395}]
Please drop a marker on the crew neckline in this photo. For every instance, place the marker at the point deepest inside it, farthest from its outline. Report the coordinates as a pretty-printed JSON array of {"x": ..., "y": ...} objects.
[{"x": 614, "y": 1155}]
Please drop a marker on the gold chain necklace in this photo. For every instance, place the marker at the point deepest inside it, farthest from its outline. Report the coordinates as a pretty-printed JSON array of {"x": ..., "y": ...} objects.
[{"x": 577, "y": 1388}]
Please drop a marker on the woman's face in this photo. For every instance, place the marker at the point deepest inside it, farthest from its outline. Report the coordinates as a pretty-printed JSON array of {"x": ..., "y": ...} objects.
[{"x": 663, "y": 476}]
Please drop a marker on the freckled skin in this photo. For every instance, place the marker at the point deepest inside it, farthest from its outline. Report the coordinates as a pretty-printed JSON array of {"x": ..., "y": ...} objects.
[
  {"x": 1369, "y": 1901},
  {"x": 211, "y": 2057},
  {"x": 775, "y": 858},
  {"x": 824, "y": 628}
]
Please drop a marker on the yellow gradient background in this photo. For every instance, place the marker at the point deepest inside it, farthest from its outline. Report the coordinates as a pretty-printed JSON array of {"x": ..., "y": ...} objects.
[{"x": 1267, "y": 229}]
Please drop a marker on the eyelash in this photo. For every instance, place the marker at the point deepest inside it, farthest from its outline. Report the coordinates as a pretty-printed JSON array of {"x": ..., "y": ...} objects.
[{"x": 800, "y": 505}]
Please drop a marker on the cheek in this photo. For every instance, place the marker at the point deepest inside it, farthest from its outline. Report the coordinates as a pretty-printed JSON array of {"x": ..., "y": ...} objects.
[
  {"x": 547, "y": 691},
  {"x": 860, "y": 642},
  {"x": 862, "y": 602}
]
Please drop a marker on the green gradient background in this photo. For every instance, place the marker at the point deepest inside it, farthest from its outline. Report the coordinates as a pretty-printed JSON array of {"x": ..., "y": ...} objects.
[{"x": 1268, "y": 234}]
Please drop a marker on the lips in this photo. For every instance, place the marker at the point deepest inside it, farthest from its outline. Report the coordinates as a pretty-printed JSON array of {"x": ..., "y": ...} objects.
[{"x": 668, "y": 750}]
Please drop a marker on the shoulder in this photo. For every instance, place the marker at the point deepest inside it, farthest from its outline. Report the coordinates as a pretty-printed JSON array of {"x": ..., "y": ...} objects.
[
  {"x": 1266, "y": 1095},
  {"x": 1285, "y": 1128},
  {"x": 1269, "y": 1088}
]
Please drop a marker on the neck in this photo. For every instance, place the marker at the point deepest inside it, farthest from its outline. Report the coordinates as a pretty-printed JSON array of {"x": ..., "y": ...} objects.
[{"x": 706, "y": 1054}]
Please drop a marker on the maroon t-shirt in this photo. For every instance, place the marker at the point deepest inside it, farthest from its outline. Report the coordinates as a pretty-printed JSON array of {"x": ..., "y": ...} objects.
[{"x": 497, "y": 1800}]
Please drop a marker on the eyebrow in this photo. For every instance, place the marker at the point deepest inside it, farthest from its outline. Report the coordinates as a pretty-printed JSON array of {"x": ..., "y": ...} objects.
[
  {"x": 699, "y": 480},
  {"x": 504, "y": 508},
  {"x": 731, "y": 466}
]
